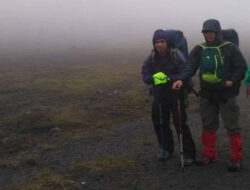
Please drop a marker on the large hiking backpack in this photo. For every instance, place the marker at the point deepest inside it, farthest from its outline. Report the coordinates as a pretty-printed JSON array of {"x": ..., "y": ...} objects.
[
  {"x": 211, "y": 65},
  {"x": 231, "y": 35},
  {"x": 177, "y": 40}
]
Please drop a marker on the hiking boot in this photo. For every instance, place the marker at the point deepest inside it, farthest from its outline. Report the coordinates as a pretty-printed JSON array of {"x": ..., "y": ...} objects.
[
  {"x": 234, "y": 166},
  {"x": 164, "y": 157},
  {"x": 205, "y": 160}
]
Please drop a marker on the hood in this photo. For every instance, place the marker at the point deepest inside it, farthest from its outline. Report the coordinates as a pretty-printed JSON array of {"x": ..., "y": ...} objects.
[
  {"x": 159, "y": 34},
  {"x": 213, "y": 25}
]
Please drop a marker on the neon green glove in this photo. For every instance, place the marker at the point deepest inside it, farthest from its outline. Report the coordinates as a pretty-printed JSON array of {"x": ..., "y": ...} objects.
[{"x": 160, "y": 78}]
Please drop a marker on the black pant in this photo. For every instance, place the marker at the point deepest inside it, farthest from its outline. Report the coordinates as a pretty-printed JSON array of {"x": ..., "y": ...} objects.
[{"x": 162, "y": 111}]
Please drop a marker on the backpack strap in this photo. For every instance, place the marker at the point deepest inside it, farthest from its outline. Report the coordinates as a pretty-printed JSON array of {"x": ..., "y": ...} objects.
[
  {"x": 176, "y": 56},
  {"x": 204, "y": 46}
]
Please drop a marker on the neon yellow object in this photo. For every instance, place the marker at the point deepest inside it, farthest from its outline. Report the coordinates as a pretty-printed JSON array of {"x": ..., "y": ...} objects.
[
  {"x": 160, "y": 78},
  {"x": 211, "y": 65}
]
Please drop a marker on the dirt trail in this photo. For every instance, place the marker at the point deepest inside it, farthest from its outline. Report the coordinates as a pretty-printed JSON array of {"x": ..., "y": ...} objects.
[{"x": 152, "y": 175}]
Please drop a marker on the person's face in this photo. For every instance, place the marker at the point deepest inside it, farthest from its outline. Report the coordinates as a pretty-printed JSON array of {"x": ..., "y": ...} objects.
[
  {"x": 209, "y": 36},
  {"x": 161, "y": 46}
]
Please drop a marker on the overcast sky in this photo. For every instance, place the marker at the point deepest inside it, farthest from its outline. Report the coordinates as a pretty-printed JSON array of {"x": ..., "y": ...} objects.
[{"x": 112, "y": 23}]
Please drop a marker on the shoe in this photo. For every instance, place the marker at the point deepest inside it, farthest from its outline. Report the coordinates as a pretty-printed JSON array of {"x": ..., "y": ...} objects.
[
  {"x": 188, "y": 161},
  {"x": 205, "y": 160},
  {"x": 234, "y": 166},
  {"x": 164, "y": 157}
]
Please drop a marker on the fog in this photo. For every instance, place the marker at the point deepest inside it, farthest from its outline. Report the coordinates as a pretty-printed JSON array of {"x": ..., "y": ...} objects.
[{"x": 43, "y": 26}]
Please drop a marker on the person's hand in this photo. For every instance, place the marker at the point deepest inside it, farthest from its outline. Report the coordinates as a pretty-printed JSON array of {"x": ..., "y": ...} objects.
[
  {"x": 229, "y": 83},
  {"x": 177, "y": 85},
  {"x": 160, "y": 78}
]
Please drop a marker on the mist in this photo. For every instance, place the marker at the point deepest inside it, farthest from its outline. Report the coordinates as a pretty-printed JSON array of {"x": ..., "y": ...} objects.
[{"x": 92, "y": 26}]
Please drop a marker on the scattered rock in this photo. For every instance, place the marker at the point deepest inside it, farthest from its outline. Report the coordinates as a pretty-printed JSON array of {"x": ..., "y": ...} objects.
[
  {"x": 83, "y": 182},
  {"x": 8, "y": 140},
  {"x": 65, "y": 143},
  {"x": 99, "y": 91},
  {"x": 55, "y": 129},
  {"x": 5, "y": 140},
  {"x": 114, "y": 93}
]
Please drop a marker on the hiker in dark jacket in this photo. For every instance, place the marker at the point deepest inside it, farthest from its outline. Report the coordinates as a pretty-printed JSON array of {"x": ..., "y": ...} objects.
[
  {"x": 222, "y": 68},
  {"x": 167, "y": 81}
]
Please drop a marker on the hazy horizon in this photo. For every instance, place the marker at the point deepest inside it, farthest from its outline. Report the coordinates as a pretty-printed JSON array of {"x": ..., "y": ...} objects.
[{"x": 34, "y": 26}]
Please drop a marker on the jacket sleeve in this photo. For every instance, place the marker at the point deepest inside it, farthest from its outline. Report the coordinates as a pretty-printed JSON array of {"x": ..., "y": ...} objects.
[
  {"x": 147, "y": 72},
  {"x": 195, "y": 57},
  {"x": 239, "y": 65}
]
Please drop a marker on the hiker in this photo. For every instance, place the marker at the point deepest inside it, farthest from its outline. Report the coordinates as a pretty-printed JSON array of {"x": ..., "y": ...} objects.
[
  {"x": 222, "y": 68},
  {"x": 167, "y": 81}
]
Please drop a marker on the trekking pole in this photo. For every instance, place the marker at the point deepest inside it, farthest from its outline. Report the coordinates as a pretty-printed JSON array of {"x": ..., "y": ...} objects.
[
  {"x": 162, "y": 135},
  {"x": 180, "y": 134},
  {"x": 195, "y": 92}
]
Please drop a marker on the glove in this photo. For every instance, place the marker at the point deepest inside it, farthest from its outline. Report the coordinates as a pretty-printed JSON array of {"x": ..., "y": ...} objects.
[{"x": 160, "y": 78}]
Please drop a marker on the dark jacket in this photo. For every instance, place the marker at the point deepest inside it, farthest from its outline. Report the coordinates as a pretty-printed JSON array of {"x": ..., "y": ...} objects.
[
  {"x": 234, "y": 66},
  {"x": 179, "y": 71}
]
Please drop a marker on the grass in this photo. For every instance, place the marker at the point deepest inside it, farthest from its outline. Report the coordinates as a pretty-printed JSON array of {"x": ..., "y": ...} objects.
[
  {"x": 144, "y": 141},
  {"x": 82, "y": 101},
  {"x": 50, "y": 181},
  {"x": 106, "y": 164},
  {"x": 23, "y": 159}
]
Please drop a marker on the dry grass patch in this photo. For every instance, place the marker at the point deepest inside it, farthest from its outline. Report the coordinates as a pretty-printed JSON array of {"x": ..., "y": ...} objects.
[
  {"x": 144, "y": 141},
  {"x": 16, "y": 143},
  {"x": 21, "y": 160},
  {"x": 107, "y": 164},
  {"x": 68, "y": 116},
  {"x": 48, "y": 181},
  {"x": 48, "y": 147}
]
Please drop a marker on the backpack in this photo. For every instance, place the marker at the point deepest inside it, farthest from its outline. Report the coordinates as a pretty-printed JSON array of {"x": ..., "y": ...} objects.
[
  {"x": 247, "y": 81},
  {"x": 211, "y": 65},
  {"x": 177, "y": 40},
  {"x": 247, "y": 77},
  {"x": 231, "y": 35}
]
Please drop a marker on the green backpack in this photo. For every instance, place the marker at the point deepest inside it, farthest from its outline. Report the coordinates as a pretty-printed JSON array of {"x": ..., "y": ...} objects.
[
  {"x": 211, "y": 64},
  {"x": 247, "y": 77}
]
